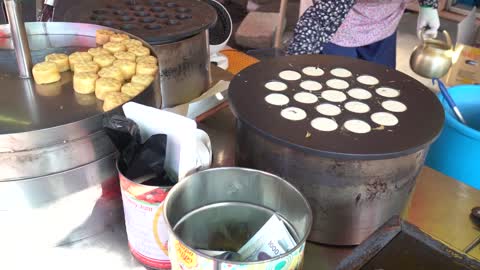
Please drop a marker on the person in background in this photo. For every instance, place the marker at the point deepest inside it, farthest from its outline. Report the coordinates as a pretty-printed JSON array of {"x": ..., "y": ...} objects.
[{"x": 364, "y": 29}]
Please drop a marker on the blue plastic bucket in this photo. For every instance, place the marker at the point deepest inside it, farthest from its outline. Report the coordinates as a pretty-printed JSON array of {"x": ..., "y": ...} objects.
[{"x": 456, "y": 152}]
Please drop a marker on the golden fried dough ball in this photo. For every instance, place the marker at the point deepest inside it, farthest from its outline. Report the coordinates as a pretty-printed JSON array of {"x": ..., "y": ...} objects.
[
  {"x": 128, "y": 68},
  {"x": 104, "y": 60},
  {"x": 79, "y": 57},
  {"x": 113, "y": 100},
  {"x": 60, "y": 59},
  {"x": 125, "y": 56},
  {"x": 46, "y": 72},
  {"x": 103, "y": 36},
  {"x": 98, "y": 51},
  {"x": 145, "y": 80},
  {"x": 132, "y": 89},
  {"x": 87, "y": 67},
  {"x": 139, "y": 51},
  {"x": 144, "y": 68},
  {"x": 111, "y": 72},
  {"x": 84, "y": 83},
  {"x": 119, "y": 37},
  {"x": 114, "y": 47},
  {"x": 106, "y": 85},
  {"x": 147, "y": 59},
  {"x": 129, "y": 43}
]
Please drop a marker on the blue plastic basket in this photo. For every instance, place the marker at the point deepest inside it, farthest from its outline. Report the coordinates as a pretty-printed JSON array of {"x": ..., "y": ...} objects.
[{"x": 456, "y": 153}]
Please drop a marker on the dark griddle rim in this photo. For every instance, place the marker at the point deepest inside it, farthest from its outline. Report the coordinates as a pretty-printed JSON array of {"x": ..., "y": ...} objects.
[{"x": 237, "y": 91}]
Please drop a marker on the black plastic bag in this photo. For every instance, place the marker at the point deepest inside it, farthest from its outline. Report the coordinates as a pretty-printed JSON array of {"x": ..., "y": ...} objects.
[{"x": 142, "y": 163}]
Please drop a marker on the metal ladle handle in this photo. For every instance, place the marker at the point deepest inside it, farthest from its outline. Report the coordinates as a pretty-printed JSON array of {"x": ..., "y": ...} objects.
[
  {"x": 448, "y": 39},
  {"x": 13, "y": 9}
]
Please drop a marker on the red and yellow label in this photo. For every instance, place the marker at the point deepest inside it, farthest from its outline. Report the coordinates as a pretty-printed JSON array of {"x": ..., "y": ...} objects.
[{"x": 185, "y": 256}]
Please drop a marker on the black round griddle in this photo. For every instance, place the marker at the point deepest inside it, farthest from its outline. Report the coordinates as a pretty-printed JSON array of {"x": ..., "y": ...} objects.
[
  {"x": 419, "y": 125},
  {"x": 155, "y": 21}
]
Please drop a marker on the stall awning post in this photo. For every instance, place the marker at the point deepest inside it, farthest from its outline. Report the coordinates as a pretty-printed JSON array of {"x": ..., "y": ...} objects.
[{"x": 19, "y": 37}]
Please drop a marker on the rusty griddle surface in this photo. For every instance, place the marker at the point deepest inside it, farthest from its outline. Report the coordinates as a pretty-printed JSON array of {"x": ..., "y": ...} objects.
[
  {"x": 399, "y": 245},
  {"x": 418, "y": 126},
  {"x": 155, "y": 21}
]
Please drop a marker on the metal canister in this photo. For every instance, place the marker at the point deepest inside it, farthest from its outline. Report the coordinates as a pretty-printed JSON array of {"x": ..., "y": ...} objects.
[
  {"x": 238, "y": 200},
  {"x": 146, "y": 229}
]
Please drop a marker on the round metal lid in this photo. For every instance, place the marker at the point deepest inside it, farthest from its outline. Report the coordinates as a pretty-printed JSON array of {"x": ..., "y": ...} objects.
[
  {"x": 33, "y": 115},
  {"x": 328, "y": 130},
  {"x": 155, "y": 21}
]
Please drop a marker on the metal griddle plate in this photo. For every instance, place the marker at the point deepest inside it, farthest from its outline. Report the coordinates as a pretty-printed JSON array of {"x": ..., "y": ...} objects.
[
  {"x": 155, "y": 21},
  {"x": 26, "y": 106},
  {"x": 418, "y": 125}
]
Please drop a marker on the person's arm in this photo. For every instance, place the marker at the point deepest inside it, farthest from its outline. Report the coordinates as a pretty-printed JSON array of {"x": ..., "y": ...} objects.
[
  {"x": 317, "y": 25},
  {"x": 428, "y": 16}
]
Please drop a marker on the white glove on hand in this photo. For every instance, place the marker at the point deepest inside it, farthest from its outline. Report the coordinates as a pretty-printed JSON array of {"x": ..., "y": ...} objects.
[{"x": 428, "y": 16}]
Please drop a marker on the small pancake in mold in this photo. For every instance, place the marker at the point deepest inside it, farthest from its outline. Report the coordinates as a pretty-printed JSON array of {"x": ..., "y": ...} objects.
[
  {"x": 324, "y": 124},
  {"x": 357, "y": 126},
  {"x": 387, "y": 92},
  {"x": 313, "y": 71},
  {"x": 328, "y": 109},
  {"x": 277, "y": 99},
  {"x": 334, "y": 96},
  {"x": 367, "y": 80},
  {"x": 337, "y": 84},
  {"x": 293, "y": 114},
  {"x": 384, "y": 119},
  {"x": 276, "y": 86},
  {"x": 341, "y": 72},
  {"x": 394, "y": 106},
  {"x": 357, "y": 107},
  {"x": 290, "y": 75},
  {"x": 305, "y": 97},
  {"x": 311, "y": 85},
  {"x": 359, "y": 93}
]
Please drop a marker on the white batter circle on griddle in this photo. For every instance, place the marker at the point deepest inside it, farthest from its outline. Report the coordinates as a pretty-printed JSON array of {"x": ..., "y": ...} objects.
[
  {"x": 384, "y": 119},
  {"x": 324, "y": 124},
  {"x": 341, "y": 72},
  {"x": 368, "y": 80},
  {"x": 357, "y": 126},
  {"x": 387, "y": 92},
  {"x": 357, "y": 107},
  {"x": 394, "y": 106},
  {"x": 359, "y": 93},
  {"x": 337, "y": 84},
  {"x": 293, "y": 114},
  {"x": 328, "y": 109},
  {"x": 277, "y": 99},
  {"x": 290, "y": 75},
  {"x": 276, "y": 86},
  {"x": 311, "y": 85},
  {"x": 334, "y": 96},
  {"x": 305, "y": 97},
  {"x": 313, "y": 71}
]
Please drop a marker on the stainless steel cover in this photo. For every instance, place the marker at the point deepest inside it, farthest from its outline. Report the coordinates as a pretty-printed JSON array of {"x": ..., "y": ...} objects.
[
  {"x": 47, "y": 129},
  {"x": 57, "y": 163}
]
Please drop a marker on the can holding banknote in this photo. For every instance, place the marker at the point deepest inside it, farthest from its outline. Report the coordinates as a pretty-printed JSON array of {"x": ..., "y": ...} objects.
[{"x": 236, "y": 218}]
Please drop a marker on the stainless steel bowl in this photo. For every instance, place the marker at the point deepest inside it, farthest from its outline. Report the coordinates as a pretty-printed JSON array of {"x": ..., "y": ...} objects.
[{"x": 219, "y": 209}]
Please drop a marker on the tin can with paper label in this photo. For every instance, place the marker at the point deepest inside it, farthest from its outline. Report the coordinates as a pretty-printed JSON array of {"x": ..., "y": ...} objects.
[
  {"x": 146, "y": 228},
  {"x": 229, "y": 217}
]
